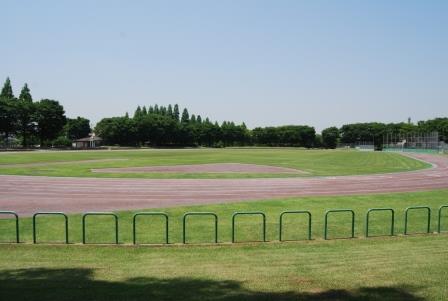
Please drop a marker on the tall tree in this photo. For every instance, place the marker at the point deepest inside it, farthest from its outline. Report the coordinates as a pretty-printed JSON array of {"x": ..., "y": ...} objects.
[
  {"x": 25, "y": 113},
  {"x": 25, "y": 94},
  {"x": 50, "y": 118},
  {"x": 185, "y": 116},
  {"x": 176, "y": 113},
  {"x": 8, "y": 116},
  {"x": 169, "y": 111},
  {"x": 138, "y": 112},
  {"x": 8, "y": 110},
  {"x": 7, "y": 90}
]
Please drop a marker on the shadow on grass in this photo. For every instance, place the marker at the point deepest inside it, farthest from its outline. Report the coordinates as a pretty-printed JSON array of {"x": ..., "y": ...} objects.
[{"x": 78, "y": 284}]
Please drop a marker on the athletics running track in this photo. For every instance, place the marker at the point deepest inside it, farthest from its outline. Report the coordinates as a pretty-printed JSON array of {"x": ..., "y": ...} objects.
[{"x": 29, "y": 194}]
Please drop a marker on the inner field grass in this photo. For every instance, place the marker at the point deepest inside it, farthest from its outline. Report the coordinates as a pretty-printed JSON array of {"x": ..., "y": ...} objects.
[
  {"x": 312, "y": 162},
  {"x": 403, "y": 268}
]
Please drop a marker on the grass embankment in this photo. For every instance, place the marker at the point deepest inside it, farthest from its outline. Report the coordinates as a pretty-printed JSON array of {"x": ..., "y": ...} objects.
[
  {"x": 382, "y": 268},
  {"x": 312, "y": 162}
]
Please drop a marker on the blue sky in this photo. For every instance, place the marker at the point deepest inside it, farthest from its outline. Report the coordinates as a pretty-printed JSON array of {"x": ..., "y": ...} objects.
[{"x": 320, "y": 63}]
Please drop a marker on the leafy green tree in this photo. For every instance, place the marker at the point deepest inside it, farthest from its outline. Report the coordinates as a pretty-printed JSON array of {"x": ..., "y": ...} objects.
[
  {"x": 330, "y": 137},
  {"x": 169, "y": 111},
  {"x": 138, "y": 112},
  {"x": 77, "y": 128},
  {"x": 26, "y": 125},
  {"x": 439, "y": 125},
  {"x": 176, "y": 113},
  {"x": 8, "y": 110},
  {"x": 185, "y": 116},
  {"x": 162, "y": 110},
  {"x": 117, "y": 131},
  {"x": 7, "y": 90},
  {"x": 8, "y": 116},
  {"x": 50, "y": 119}
]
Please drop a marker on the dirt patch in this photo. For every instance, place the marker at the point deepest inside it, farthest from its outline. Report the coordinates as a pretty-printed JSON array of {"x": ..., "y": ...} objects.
[{"x": 203, "y": 168}]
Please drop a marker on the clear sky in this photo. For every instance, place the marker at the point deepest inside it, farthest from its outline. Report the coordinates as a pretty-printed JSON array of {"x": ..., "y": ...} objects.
[{"x": 320, "y": 63}]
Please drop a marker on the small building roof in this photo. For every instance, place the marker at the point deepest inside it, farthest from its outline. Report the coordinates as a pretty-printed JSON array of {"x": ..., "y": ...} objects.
[{"x": 87, "y": 139}]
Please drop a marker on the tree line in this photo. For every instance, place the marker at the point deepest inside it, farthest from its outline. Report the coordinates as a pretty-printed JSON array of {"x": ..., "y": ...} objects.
[
  {"x": 375, "y": 132},
  {"x": 42, "y": 122},
  {"x": 166, "y": 126}
]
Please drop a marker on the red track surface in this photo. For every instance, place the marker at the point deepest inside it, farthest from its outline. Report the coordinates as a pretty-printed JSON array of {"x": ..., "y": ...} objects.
[{"x": 27, "y": 194}]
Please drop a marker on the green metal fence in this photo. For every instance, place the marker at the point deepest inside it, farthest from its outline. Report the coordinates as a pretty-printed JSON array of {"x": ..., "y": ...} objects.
[
  {"x": 16, "y": 217},
  {"x": 392, "y": 226},
  {"x": 85, "y": 215},
  {"x": 137, "y": 216},
  {"x": 294, "y": 212},
  {"x": 134, "y": 224},
  {"x": 428, "y": 224},
  {"x": 184, "y": 224},
  {"x": 248, "y": 213},
  {"x": 439, "y": 226},
  {"x": 336, "y": 211},
  {"x": 49, "y": 213}
]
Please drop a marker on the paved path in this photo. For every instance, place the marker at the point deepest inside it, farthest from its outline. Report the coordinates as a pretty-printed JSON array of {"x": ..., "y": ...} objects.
[{"x": 28, "y": 194}]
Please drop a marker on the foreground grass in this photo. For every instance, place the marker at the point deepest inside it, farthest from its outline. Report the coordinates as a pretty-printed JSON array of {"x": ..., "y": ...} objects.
[
  {"x": 403, "y": 268},
  {"x": 313, "y": 162}
]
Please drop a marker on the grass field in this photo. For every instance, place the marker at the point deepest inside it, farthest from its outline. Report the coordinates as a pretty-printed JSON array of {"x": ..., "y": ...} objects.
[
  {"x": 380, "y": 268},
  {"x": 312, "y": 162}
]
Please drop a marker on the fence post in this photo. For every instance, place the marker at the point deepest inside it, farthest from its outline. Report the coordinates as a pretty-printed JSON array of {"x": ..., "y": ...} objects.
[
  {"x": 295, "y": 212},
  {"x": 338, "y": 210},
  {"x": 184, "y": 227},
  {"x": 248, "y": 213},
  {"x": 428, "y": 229},
  {"x": 439, "y": 226},
  {"x": 134, "y": 223},
  {"x": 50, "y": 213},
  {"x": 98, "y": 214},
  {"x": 16, "y": 216},
  {"x": 381, "y": 209}
]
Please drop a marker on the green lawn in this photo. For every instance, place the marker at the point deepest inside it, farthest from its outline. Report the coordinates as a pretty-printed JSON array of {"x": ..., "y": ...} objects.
[
  {"x": 381, "y": 268},
  {"x": 313, "y": 162}
]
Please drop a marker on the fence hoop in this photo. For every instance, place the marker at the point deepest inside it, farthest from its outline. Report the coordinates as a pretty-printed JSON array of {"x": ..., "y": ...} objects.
[
  {"x": 294, "y": 212},
  {"x": 428, "y": 228},
  {"x": 392, "y": 211},
  {"x": 338, "y": 210},
  {"x": 439, "y": 226},
  {"x": 134, "y": 224},
  {"x": 184, "y": 223},
  {"x": 98, "y": 214},
  {"x": 248, "y": 213},
  {"x": 16, "y": 217},
  {"x": 49, "y": 213}
]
